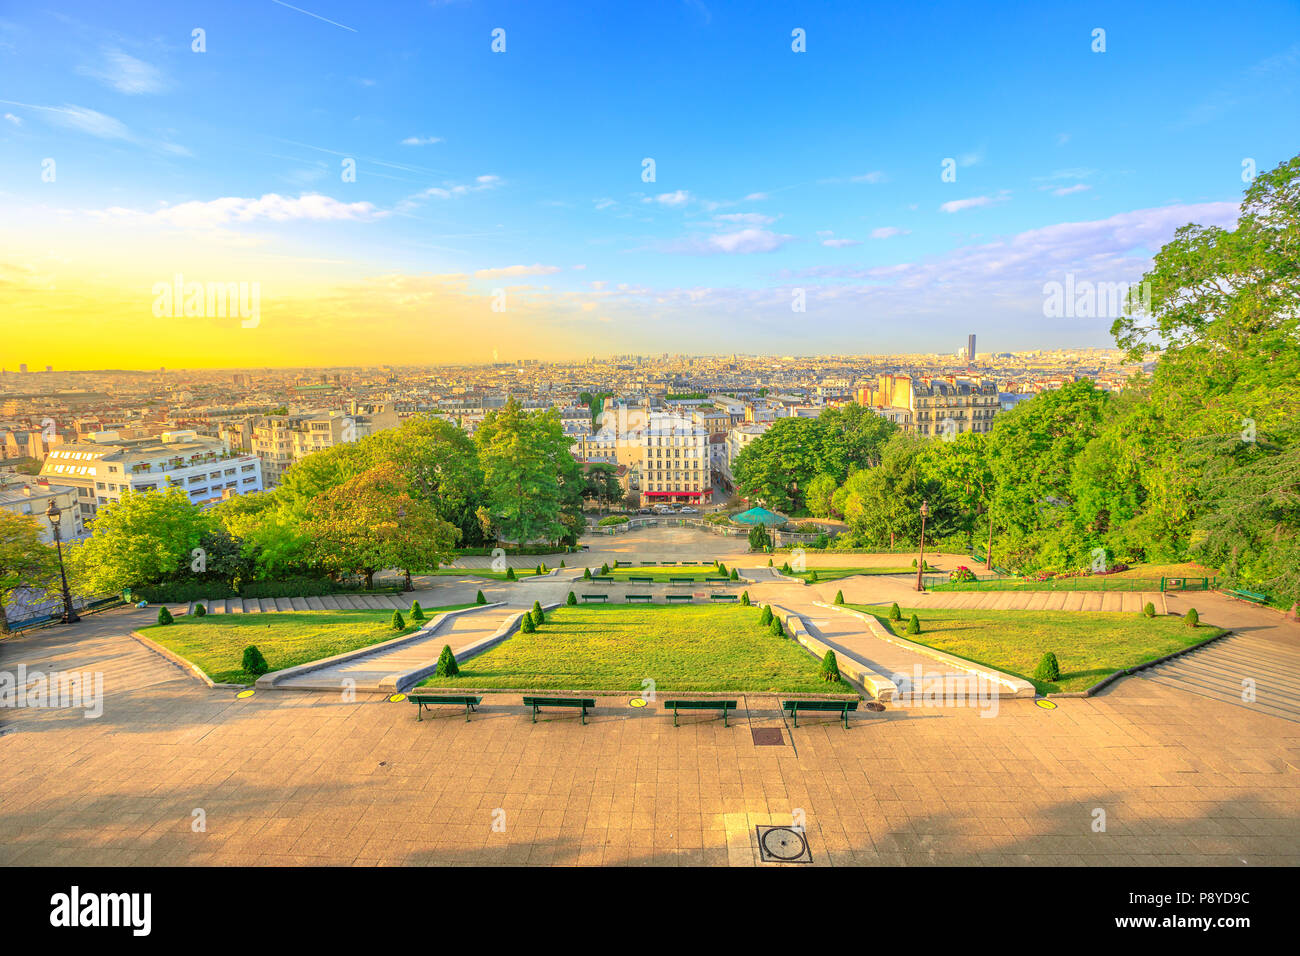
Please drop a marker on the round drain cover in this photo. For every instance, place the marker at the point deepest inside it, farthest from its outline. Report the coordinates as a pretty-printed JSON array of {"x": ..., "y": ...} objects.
[
  {"x": 244, "y": 693},
  {"x": 397, "y": 698},
  {"x": 1046, "y": 704},
  {"x": 636, "y": 702},
  {"x": 783, "y": 843}
]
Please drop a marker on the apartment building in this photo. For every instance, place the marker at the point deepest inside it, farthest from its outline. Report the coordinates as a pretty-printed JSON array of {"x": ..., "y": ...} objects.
[
  {"x": 281, "y": 440},
  {"x": 667, "y": 456},
  {"x": 106, "y": 467},
  {"x": 737, "y": 439},
  {"x": 946, "y": 406},
  {"x": 32, "y": 496}
]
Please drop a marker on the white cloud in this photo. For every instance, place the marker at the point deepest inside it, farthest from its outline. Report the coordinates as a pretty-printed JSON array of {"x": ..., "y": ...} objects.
[
  {"x": 605, "y": 203},
  {"x": 678, "y": 198},
  {"x": 841, "y": 243},
  {"x": 975, "y": 202},
  {"x": 743, "y": 242},
  {"x": 755, "y": 197},
  {"x": 79, "y": 118},
  {"x": 421, "y": 140},
  {"x": 271, "y": 207},
  {"x": 17, "y": 121},
  {"x": 744, "y": 219},
  {"x": 126, "y": 74},
  {"x": 1067, "y": 190},
  {"x": 450, "y": 191},
  {"x": 876, "y": 176},
  {"x": 511, "y": 272},
  {"x": 888, "y": 232}
]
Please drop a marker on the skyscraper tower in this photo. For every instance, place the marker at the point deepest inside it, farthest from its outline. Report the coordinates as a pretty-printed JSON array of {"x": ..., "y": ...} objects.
[{"x": 970, "y": 347}]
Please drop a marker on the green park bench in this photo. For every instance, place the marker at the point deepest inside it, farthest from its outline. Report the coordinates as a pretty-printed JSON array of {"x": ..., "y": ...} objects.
[
  {"x": 595, "y": 597},
  {"x": 665, "y": 563},
  {"x": 679, "y": 598},
  {"x": 640, "y": 580},
  {"x": 717, "y": 580},
  {"x": 432, "y": 700},
  {"x": 648, "y": 564},
  {"x": 17, "y": 627},
  {"x": 681, "y": 580},
  {"x": 842, "y": 706},
  {"x": 1254, "y": 597},
  {"x": 633, "y": 598},
  {"x": 722, "y": 705},
  {"x": 536, "y": 703},
  {"x": 602, "y": 580},
  {"x": 723, "y": 597}
]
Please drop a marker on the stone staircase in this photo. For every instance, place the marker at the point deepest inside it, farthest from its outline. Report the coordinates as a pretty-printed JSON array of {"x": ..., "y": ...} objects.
[{"x": 326, "y": 602}]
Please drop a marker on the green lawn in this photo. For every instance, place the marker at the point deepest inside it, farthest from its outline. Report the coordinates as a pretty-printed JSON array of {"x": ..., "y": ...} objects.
[
  {"x": 616, "y": 648},
  {"x": 697, "y": 571},
  {"x": 479, "y": 573},
  {"x": 1144, "y": 577},
  {"x": 834, "y": 574},
  {"x": 216, "y": 642},
  {"x": 1088, "y": 646}
]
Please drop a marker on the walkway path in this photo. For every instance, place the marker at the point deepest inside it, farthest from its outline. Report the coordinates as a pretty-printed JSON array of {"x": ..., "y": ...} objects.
[{"x": 383, "y": 669}]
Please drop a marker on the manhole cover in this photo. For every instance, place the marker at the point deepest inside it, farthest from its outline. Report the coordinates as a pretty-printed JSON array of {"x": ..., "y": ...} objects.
[
  {"x": 636, "y": 702},
  {"x": 783, "y": 845},
  {"x": 767, "y": 736},
  {"x": 1046, "y": 704},
  {"x": 875, "y": 706}
]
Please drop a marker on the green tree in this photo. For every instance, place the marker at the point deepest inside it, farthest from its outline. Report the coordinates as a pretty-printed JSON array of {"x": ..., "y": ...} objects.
[
  {"x": 141, "y": 539},
  {"x": 26, "y": 561},
  {"x": 530, "y": 476}
]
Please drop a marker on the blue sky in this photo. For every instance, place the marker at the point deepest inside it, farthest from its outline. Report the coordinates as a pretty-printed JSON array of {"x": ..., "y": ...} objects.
[{"x": 775, "y": 170}]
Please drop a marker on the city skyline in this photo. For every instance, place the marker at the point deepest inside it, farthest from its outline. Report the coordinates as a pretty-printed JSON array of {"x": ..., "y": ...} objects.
[{"x": 516, "y": 178}]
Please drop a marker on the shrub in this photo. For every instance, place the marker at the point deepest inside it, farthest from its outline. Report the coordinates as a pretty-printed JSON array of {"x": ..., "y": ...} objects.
[
  {"x": 894, "y": 613},
  {"x": 744, "y": 598},
  {"x": 766, "y": 617},
  {"x": 961, "y": 575},
  {"x": 254, "y": 663},
  {"x": 769, "y": 562},
  {"x": 510, "y": 574},
  {"x": 1048, "y": 670},
  {"x": 735, "y": 575},
  {"x": 417, "y": 612},
  {"x": 164, "y": 616},
  {"x": 1149, "y": 610},
  {"x": 526, "y": 625},
  {"x": 830, "y": 667},
  {"x": 1192, "y": 619},
  {"x": 777, "y": 629},
  {"x": 612, "y": 520},
  {"x": 200, "y": 610},
  {"x": 604, "y": 569},
  {"x": 722, "y": 568},
  {"x": 480, "y": 599},
  {"x": 562, "y": 564},
  {"x": 537, "y": 570},
  {"x": 913, "y": 624},
  {"x": 398, "y": 623},
  {"x": 812, "y": 577},
  {"x": 586, "y": 574},
  {"x": 785, "y": 568},
  {"x": 914, "y": 562},
  {"x": 839, "y": 597},
  {"x": 447, "y": 666},
  {"x": 571, "y": 600},
  {"x": 539, "y": 618}
]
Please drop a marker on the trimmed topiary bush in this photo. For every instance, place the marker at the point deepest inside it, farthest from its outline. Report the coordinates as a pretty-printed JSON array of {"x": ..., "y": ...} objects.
[
  {"x": 735, "y": 575},
  {"x": 769, "y": 562},
  {"x": 1149, "y": 610},
  {"x": 571, "y": 600},
  {"x": 1192, "y": 619},
  {"x": 744, "y": 598},
  {"x": 417, "y": 612},
  {"x": 398, "y": 623},
  {"x": 480, "y": 599},
  {"x": 1048, "y": 670},
  {"x": 164, "y": 616},
  {"x": 830, "y": 667},
  {"x": 539, "y": 618},
  {"x": 510, "y": 574},
  {"x": 447, "y": 666},
  {"x": 777, "y": 629},
  {"x": 586, "y": 574},
  {"x": 604, "y": 569},
  {"x": 562, "y": 564},
  {"x": 722, "y": 568},
  {"x": 839, "y": 597},
  {"x": 812, "y": 577},
  {"x": 913, "y": 624},
  {"x": 200, "y": 610},
  {"x": 766, "y": 617},
  {"x": 894, "y": 613},
  {"x": 254, "y": 663},
  {"x": 537, "y": 570},
  {"x": 785, "y": 568},
  {"x": 526, "y": 625}
]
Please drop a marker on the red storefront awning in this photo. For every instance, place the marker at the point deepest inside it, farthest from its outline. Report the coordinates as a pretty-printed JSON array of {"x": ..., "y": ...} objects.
[{"x": 671, "y": 494}]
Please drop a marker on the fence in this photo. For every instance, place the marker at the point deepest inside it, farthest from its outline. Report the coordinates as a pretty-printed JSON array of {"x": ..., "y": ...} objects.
[{"x": 1096, "y": 582}]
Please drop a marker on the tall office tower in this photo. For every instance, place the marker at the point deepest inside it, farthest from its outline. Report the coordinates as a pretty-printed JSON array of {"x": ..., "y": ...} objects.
[{"x": 970, "y": 348}]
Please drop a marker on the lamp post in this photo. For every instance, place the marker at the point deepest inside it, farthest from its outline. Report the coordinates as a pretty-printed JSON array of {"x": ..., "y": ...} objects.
[
  {"x": 920, "y": 562},
  {"x": 54, "y": 514}
]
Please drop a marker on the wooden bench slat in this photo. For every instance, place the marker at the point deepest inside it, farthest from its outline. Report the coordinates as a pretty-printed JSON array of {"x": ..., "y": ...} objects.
[{"x": 467, "y": 701}]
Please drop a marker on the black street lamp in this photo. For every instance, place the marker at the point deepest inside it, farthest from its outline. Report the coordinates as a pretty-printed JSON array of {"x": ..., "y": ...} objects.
[
  {"x": 920, "y": 562},
  {"x": 54, "y": 514}
]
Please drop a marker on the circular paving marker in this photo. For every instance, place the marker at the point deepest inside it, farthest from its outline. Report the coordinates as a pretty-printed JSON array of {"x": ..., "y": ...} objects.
[
  {"x": 784, "y": 843},
  {"x": 396, "y": 698},
  {"x": 244, "y": 694},
  {"x": 1046, "y": 704},
  {"x": 636, "y": 702}
]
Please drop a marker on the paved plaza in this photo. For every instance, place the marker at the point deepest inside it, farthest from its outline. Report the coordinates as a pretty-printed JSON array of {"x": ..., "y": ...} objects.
[{"x": 174, "y": 772}]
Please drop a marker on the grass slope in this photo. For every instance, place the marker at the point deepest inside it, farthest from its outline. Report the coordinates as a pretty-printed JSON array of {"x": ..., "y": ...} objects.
[
  {"x": 616, "y": 648},
  {"x": 1089, "y": 646},
  {"x": 216, "y": 642}
]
